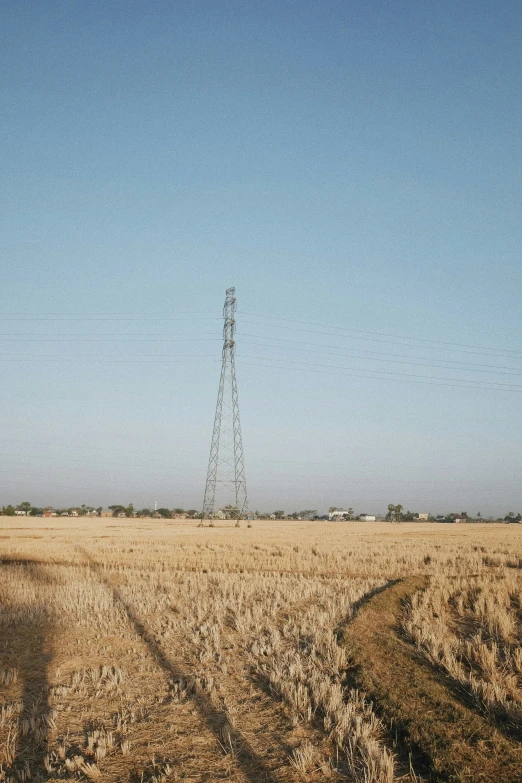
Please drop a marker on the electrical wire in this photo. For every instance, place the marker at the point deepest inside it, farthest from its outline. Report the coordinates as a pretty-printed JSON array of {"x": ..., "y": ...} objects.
[
  {"x": 392, "y": 361},
  {"x": 357, "y": 373},
  {"x": 381, "y": 334},
  {"x": 106, "y": 319},
  {"x": 140, "y": 358},
  {"x": 104, "y": 338},
  {"x": 377, "y": 353},
  {"x": 387, "y": 372},
  {"x": 393, "y": 342}
]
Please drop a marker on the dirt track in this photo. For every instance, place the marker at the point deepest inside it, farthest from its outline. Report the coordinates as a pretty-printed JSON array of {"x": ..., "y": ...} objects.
[{"x": 448, "y": 740}]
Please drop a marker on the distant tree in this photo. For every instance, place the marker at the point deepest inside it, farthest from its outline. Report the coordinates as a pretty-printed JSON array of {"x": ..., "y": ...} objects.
[
  {"x": 391, "y": 512},
  {"x": 165, "y": 513},
  {"x": 9, "y": 511},
  {"x": 116, "y": 509},
  {"x": 35, "y": 511},
  {"x": 350, "y": 513},
  {"x": 99, "y": 509},
  {"x": 332, "y": 509},
  {"x": 129, "y": 510},
  {"x": 179, "y": 510},
  {"x": 479, "y": 515},
  {"x": 279, "y": 514},
  {"x": 25, "y": 506},
  {"x": 398, "y": 512},
  {"x": 144, "y": 512},
  {"x": 192, "y": 512}
]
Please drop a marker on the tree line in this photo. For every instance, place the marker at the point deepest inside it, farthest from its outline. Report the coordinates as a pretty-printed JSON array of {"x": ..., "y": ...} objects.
[{"x": 84, "y": 510}]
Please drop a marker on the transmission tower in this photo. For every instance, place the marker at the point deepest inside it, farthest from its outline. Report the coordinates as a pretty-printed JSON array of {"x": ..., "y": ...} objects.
[{"x": 226, "y": 466}]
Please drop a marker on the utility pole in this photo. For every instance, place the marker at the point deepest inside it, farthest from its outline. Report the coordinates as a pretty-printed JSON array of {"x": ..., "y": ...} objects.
[{"x": 226, "y": 467}]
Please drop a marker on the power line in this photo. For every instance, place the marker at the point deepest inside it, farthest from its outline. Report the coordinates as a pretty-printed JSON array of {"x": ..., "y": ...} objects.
[
  {"x": 358, "y": 373},
  {"x": 107, "y": 319},
  {"x": 378, "y": 353},
  {"x": 392, "y": 342},
  {"x": 150, "y": 359},
  {"x": 380, "y": 334},
  {"x": 392, "y": 361},
  {"x": 388, "y": 372},
  {"x": 417, "y": 360},
  {"x": 104, "y": 339}
]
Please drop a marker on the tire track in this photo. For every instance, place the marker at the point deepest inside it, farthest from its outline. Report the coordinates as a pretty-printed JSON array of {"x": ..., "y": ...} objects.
[{"x": 444, "y": 736}]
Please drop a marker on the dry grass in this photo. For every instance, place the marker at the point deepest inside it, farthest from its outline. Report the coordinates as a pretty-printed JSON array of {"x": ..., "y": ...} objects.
[
  {"x": 471, "y": 627},
  {"x": 152, "y": 651}
]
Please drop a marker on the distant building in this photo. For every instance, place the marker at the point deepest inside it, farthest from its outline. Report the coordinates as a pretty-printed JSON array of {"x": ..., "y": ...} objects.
[
  {"x": 20, "y": 513},
  {"x": 338, "y": 514},
  {"x": 106, "y": 514},
  {"x": 421, "y": 517},
  {"x": 367, "y": 517}
]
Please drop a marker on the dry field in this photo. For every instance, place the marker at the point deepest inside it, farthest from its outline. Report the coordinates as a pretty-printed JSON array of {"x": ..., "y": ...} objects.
[{"x": 144, "y": 651}]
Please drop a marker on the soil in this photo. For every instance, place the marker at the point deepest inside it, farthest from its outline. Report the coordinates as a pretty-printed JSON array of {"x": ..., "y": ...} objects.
[{"x": 445, "y": 739}]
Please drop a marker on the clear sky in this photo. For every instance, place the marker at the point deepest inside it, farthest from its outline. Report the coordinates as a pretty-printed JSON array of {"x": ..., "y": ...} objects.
[{"x": 346, "y": 165}]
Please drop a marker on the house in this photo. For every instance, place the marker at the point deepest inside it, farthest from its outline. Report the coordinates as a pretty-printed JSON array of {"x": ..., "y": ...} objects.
[
  {"x": 20, "y": 513},
  {"x": 452, "y": 519},
  {"x": 106, "y": 514},
  {"x": 338, "y": 514},
  {"x": 422, "y": 516},
  {"x": 367, "y": 517}
]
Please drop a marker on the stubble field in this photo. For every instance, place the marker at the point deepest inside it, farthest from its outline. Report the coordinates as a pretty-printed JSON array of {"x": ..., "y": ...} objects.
[{"x": 146, "y": 651}]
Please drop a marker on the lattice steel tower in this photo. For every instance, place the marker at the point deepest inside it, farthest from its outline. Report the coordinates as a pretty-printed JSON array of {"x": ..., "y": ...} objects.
[{"x": 226, "y": 466}]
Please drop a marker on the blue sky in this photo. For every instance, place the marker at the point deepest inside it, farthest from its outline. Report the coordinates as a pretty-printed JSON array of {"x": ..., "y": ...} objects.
[{"x": 354, "y": 165}]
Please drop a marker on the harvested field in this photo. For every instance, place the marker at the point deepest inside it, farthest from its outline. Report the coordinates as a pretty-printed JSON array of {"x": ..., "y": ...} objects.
[{"x": 136, "y": 650}]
